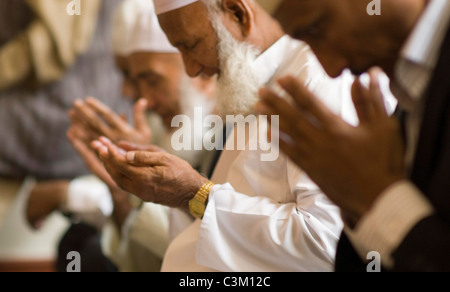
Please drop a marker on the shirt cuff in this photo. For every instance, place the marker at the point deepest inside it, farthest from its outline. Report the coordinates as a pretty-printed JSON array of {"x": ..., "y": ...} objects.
[
  {"x": 391, "y": 219},
  {"x": 89, "y": 199}
]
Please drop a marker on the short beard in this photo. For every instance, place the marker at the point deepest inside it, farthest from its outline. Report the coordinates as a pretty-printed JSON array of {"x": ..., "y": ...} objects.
[{"x": 237, "y": 85}]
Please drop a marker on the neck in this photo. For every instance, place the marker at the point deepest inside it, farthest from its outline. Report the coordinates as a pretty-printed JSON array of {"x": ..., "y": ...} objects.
[{"x": 269, "y": 31}]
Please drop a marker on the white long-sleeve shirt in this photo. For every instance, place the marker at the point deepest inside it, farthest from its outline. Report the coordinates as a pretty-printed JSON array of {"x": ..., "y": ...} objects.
[{"x": 268, "y": 216}]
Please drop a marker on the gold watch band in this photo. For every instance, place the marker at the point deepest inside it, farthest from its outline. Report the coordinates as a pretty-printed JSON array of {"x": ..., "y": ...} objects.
[{"x": 197, "y": 206}]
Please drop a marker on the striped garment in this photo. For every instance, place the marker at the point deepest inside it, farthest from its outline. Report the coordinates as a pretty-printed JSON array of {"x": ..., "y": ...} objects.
[{"x": 33, "y": 123}]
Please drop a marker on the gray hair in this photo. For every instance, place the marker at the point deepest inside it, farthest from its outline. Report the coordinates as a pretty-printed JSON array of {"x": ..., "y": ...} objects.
[{"x": 214, "y": 6}]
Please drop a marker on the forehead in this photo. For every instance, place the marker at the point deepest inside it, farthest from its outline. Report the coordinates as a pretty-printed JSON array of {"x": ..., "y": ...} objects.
[
  {"x": 184, "y": 24},
  {"x": 299, "y": 13},
  {"x": 144, "y": 61}
]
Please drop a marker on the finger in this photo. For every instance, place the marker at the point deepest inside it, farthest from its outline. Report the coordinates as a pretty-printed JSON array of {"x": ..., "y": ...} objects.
[
  {"x": 70, "y": 135},
  {"x": 118, "y": 178},
  {"x": 376, "y": 92},
  {"x": 76, "y": 119},
  {"x": 362, "y": 105},
  {"x": 292, "y": 120},
  {"x": 92, "y": 162},
  {"x": 146, "y": 158},
  {"x": 295, "y": 152},
  {"x": 72, "y": 114},
  {"x": 140, "y": 117},
  {"x": 108, "y": 143},
  {"x": 118, "y": 165},
  {"x": 87, "y": 154},
  {"x": 105, "y": 141},
  {"x": 91, "y": 119},
  {"x": 100, "y": 149},
  {"x": 107, "y": 114},
  {"x": 104, "y": 151},
  {"x": 284, "y": 123},
  {"x": 369, "y": 101},
  {"x": 79, "y": 145},
  {"x": 80, "y": 133},
  {"x": 128, "y": 146},
  {"x": 306, "y": 100},
  {"x": 117, "y": 156}
]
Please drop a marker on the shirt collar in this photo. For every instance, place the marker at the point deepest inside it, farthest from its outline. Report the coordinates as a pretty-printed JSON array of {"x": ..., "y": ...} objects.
[
  {"x": 268, "y": 63},
  {"x": 419, "y": 56},
  {"x": 423, "y": 46}
]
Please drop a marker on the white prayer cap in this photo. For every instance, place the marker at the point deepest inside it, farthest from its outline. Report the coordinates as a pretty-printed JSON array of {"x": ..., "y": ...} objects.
[
  {"x": 136, "y": 29},
  {"x": 148, "y": 35},
  {"x": 123, "y": 25},
  {"x": 163, "y": 6}
]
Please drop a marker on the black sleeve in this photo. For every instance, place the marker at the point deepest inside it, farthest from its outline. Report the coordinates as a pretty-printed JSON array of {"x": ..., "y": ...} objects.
[{"x": 426, "y": 248}]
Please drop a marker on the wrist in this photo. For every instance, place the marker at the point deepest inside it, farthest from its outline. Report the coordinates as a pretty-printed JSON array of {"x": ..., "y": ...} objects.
[
  {"x": 122, "y": 206},
  {"x": 119, "y": 196},
  {"x": 61, "y": 191},
  {"x": 190, "y": 192},
  {"x": 372, "y": 198}
]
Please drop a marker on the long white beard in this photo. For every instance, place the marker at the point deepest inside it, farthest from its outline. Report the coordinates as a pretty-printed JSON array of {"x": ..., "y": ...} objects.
[
  {"x": 190, "y": 98},
  {"x": 237, "y": 86}
]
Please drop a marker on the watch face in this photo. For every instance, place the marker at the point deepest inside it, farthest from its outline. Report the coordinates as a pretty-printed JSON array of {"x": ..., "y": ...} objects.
[{"x": 197, "y": 208}]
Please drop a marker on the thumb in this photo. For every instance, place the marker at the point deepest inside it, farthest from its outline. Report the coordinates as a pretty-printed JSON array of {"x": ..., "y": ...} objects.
[
  {"x": 145, "y": 158},
  {"x": 140, "y": 118}
]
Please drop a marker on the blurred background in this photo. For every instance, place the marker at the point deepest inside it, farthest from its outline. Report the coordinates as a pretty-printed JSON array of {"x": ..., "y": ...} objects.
[{"x": 49, "y": 57}]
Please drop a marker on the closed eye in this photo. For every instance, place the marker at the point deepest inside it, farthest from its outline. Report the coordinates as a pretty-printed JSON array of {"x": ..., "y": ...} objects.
[
  {"x": 311, "y": 31},
  {"x": 151, "y": 79}
]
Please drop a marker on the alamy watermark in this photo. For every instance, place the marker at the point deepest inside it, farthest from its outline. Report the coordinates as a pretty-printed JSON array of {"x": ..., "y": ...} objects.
[
  {"x": 74, "y": 265},
  {"x": 74, "y": 8},
  {"x": 374, "y": 265},
  {"x": 374, "y": 8},
  {"x": 251, "y": 133}
]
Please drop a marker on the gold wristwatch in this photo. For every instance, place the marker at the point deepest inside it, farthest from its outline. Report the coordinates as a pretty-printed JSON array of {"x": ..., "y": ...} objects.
[{"x": 198, "y": 204}]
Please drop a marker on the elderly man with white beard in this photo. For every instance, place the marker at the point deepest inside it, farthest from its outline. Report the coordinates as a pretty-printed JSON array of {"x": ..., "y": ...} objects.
[
  {"x": 139, "y": 236},
  {"x": 253, "y": 215}
]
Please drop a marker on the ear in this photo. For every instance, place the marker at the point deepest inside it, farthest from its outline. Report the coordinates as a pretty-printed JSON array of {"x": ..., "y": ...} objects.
[{"x": 241, "y": 12}]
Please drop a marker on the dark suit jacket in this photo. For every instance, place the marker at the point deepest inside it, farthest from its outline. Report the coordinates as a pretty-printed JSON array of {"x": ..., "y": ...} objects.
[{"x": 427, "y": 246}]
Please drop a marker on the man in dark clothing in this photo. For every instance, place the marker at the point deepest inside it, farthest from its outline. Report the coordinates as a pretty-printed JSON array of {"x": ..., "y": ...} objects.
[{"x": 394, "y": 199}]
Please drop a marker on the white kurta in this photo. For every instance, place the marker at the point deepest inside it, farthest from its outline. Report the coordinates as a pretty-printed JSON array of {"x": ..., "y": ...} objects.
[
  {"x": 142, "y": 242},
  {"x": 268, "y": 216}
]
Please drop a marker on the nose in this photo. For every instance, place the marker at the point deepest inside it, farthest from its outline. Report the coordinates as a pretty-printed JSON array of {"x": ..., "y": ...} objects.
[
  {"x": 129, "y": 90},
  {"x": 193, "y": 68},
  {"x": 147, "y": 94},
  {"x": 151, "y": 104}
]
